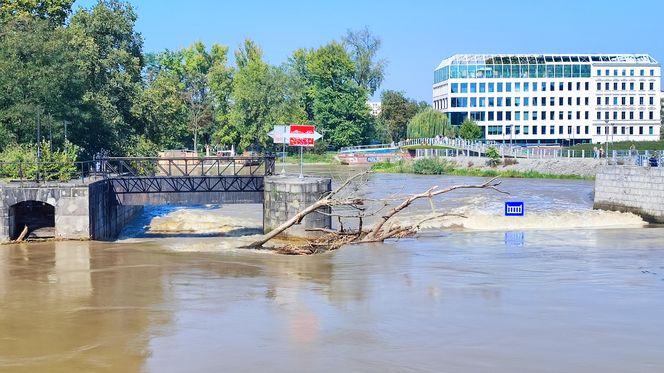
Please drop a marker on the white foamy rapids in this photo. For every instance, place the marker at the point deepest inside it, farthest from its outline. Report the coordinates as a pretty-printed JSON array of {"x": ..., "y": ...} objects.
[
  {"x": 207, "y": 221},
  {"x": 590, "y": 219}
]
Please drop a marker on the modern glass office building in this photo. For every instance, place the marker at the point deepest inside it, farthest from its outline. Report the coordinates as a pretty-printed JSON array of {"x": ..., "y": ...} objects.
[{"x": 552, "y": 98}]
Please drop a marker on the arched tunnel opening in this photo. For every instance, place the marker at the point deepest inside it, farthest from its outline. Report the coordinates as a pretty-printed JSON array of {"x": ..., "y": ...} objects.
[{"x": 38, "y": 218}]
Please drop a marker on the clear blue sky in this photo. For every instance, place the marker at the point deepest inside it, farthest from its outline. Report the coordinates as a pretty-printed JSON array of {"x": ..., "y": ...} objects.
[{"x": 416, "y": 34}]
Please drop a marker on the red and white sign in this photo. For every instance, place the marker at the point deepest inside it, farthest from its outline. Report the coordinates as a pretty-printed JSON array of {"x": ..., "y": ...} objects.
[{"x": 303, "y": 135}]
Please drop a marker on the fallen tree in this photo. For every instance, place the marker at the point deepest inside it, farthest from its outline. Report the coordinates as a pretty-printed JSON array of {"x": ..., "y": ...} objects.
[{"x": 345, "y": 198}]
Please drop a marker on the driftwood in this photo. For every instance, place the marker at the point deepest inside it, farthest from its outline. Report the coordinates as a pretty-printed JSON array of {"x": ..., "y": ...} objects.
[
  {"x": 384, "y": 228},
  {"x": 21, "y": 236}
]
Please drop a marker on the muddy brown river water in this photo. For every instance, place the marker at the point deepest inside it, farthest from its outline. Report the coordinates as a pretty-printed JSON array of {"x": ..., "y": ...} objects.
[{"x": 565, "y": 289}]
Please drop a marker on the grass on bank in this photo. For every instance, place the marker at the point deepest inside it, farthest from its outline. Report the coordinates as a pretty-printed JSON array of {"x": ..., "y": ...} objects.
[
  {"x": 430, "y": 166},
  {"x": 309, "y": 157},
  {"x": 621, "y": 145}
]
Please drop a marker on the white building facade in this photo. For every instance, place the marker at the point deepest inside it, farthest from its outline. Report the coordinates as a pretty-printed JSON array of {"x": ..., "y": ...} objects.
[{"x": 551, "y": 99}]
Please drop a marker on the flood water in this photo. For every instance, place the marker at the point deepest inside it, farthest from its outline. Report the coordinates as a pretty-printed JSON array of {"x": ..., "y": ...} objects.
[{"x": 562, "y": 289}]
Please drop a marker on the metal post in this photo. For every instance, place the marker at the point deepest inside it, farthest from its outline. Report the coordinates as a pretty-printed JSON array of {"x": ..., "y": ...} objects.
[
  {"x": 38, "y": 146},
  {"x": 283, "y": 152},
  {"x": 301, "y": 164}
]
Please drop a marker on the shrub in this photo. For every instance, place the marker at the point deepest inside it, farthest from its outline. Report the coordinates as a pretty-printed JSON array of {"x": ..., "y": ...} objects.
[
  {"x": 20, "y": 162},
  {"x": 431, "y": 166},
  {"x": 493, "y": 155},
  {"x": 510, "y": 161}
]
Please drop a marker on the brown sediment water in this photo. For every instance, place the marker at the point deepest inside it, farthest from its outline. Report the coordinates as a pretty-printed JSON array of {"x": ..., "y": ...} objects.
[{"x": 533, "y": 297}]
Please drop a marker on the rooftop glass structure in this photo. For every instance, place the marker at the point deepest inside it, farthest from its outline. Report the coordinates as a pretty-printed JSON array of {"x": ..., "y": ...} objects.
[{"x": 464, "y": 66}]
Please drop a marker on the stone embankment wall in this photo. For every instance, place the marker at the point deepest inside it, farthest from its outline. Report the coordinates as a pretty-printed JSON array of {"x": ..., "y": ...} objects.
[
  {"x": 639, "y": 190},
  {"x": 82, "y": 211},
  {"x": 285, "y": 196},
  {"x": 556, "y": 166}
]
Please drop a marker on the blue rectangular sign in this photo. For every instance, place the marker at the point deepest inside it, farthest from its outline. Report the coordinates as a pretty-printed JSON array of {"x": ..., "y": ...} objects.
[{"x": 514, "y": 209}]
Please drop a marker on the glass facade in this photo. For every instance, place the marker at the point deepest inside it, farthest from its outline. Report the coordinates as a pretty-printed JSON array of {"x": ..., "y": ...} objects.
[{"x": 529, "y": 66}]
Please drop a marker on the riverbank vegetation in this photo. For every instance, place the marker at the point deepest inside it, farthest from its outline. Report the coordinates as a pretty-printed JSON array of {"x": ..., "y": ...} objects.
[
  {"x": 82, "y": 75},
  {"x": 433, "y": 166}
]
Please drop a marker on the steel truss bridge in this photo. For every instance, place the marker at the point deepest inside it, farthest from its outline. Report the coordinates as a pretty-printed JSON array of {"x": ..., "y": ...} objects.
[{"x": 205, "y": 180}]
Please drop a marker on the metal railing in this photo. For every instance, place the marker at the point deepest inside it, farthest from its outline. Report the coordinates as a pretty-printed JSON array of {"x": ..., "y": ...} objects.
[
  {"x": 48, "y": 171},
  {"x": 114, "y": 167}
]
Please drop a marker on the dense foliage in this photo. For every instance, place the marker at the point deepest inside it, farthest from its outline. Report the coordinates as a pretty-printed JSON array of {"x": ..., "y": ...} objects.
[
  {"x": 469, "y": 130},
  {"x": 86, "y": 70},
  {"x": 429, "y": 123}
]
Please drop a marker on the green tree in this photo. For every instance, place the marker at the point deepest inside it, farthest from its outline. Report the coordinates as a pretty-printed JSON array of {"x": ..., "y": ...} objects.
[
  {"x": 395, "y": 113},
  {"x": 363, "y": 48},
  {"x": 40, "y": 74},
  {"x": 429, "y": 123},
  {"x": 259, "y": 100},
  {"x": 55, "y": 11},
  {"x": 469, "y": 130},
  {"x": 113, "y": 65},
  {"x": 338, "y": 103}
]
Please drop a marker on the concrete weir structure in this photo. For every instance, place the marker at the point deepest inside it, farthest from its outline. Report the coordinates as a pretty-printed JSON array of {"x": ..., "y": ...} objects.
[
  {"x": 285, "y": 196},
  {"x": 71, "y": 210},
  {"x": 639, "y": 190}
]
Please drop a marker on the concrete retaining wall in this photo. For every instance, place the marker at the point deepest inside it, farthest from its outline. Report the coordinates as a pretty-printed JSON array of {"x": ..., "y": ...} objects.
[
  {"x": 285, "y": 196},
  {"x": 639, "y": 190},
  {"x": 82, "y": 211},
  {"x": 108, "y": 217}
]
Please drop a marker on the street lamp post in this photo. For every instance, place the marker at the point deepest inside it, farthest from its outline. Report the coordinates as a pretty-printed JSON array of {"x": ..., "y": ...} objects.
[{"x": 606, "y": 132}]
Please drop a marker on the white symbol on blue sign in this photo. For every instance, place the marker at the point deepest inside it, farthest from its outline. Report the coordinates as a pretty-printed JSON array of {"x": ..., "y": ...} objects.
[{"x": 514, "y": 209}]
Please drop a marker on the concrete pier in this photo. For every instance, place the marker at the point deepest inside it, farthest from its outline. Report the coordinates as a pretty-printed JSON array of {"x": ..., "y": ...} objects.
[
  {"x": 285, "y": 196},
  {"x": 639, "y": 190},
  {"x": 67, "y": 210}
]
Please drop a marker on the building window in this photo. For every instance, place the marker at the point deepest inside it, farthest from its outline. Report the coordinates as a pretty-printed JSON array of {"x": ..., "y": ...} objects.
[
  {"x": 652, "y": 100},
  {"x": 490, "y": 116},
  {"x": 622, "y": 115},
  {"x": 508, "y": 87},
  {"x": 552, "y": 115},
  {"x": 543, "y": 86},
  {"x": 578, "y": 86},
  {"x": 473, "y": 87},
  {"x": 586, "y": 130},
  {"x": 560, "y": 101},
  {"x": 631, "y": 72},
  {"x": 587, "y": 86},
  {"x": 587, "y": 115},
  {"x": 631, "y": 86},
  {"x": 615, "y": 130},
  {"x": 569, "y": 86},
  {"x": 508, "y": 115},
  {"x": 622, "y": 130},
  {"x": 652, "y": 73},
  {"x": 482, "y": 101},
  {"x": 491, "y": 101},
  {"x": 599, "y": 86},
  {"x": 482, "y": 87},
  {"x": 606, "y": 100},
  {"x": 599, "y": 100},
  {"x": 490, "y": 87},
  {"x": 640, "y": 130},
  {"x": 499, "y": 87},
  {"x": 534, "y": 115},
  {"x": 526, "y": 101},
  {"x": 631, "y": 130},
  {"x": 525, "y": 129},
  {"x": 598, "y": 130},
  {"x": 464, "y": 87},
  {"x": 499, "y": 115},
  {"x": 624, "y": 72},
  {"x": 651, "y": 115},
  {"x": 650, "y": 129},
  {"x": 569, "y": 115},
  {"x": 642, "y": 72},
  {"x": 552, "y": 86},
  {"x": 517, "y": 115},
  {"x": 631, "y": 115},
  {"x": 615, "y": 115},
  {"x": 561, "y": 115},
  {"x": 552, "y": 130},
  {"x": 508, "y": 101},
  {"x": 543, "y": 101},
  {"x": 534, "y": 86},
  {"x": 587, "y": 100},
  {"x": 517, "y": 101},
  {"x": 652, "y": 86},
  {"x": 499, "y": 101},
  {"x": 599, "y": 72},
  {"x": 560, "y": 86},
  {"x": 561, "y": 130},
  {"x": 454, "y": 88},
  {"x": 606, "y": 115},
  {"x": 615, "y": 100},
  {"x": 641, "y": 86},
  {"x": 552, "y": 101},
  {"x": 534, "y": 130},
  {"x": 624, "y": 86},
  {"x": 606, "y": 86},
  {"x": 631, "y": 100},
  {"x": 622, "y": 100},
  {"x": 526, "y": 115},
  {"x": 641, "y": 115},
  {"x": 615, "y": 86},
  {"x": 578, "y": 101},
  {"x": 517, "y": 87},
  {"x": 543, "y": 128},
  {"x": 473, "y": 102},
  {"x": 569, "y": 101}
]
